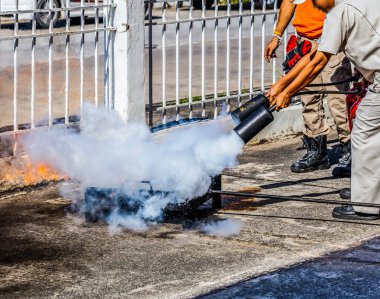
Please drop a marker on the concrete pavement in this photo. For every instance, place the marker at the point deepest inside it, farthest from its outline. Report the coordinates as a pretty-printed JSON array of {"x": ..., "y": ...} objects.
[{"x": 45, "y": 251}]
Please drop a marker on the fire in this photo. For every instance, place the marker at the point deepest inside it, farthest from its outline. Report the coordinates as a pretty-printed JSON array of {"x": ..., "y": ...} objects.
[
  {"x": 21, "y": 172},
  {"x": 40, "y": 172}
]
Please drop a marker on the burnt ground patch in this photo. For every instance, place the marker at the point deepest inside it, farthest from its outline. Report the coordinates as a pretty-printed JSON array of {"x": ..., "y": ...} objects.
[{"x": 31, "y": 245}]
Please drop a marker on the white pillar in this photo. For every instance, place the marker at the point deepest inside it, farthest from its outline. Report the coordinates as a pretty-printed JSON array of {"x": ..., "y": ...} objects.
[{"x": 128, "y": 94}]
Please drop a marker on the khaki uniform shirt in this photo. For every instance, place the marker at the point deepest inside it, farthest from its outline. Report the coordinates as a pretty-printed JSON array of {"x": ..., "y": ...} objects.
[{"x": 353, "y": 26}]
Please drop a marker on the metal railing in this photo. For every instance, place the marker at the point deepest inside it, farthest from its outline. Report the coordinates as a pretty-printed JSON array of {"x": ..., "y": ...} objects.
[
  {"x": 198, "y": 60},
  {"x": 38, "y": 43},
  {"x": 217, "y": 56}
]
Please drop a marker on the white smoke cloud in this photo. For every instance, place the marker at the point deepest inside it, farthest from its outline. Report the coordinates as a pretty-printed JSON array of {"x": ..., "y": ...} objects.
[
  {"x": 222, "y": 228},
  {"x": 110, "y": 154}
]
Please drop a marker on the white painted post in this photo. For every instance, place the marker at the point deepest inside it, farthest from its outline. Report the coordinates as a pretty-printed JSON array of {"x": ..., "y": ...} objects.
[{"x": 128, "y": 95}]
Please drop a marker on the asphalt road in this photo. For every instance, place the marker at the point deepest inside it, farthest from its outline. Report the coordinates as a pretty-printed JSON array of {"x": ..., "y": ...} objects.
[
  {"x": 58, "y": 88},
  {"x": 349, "y": 274},
  {"x": 46, "y": 251}
]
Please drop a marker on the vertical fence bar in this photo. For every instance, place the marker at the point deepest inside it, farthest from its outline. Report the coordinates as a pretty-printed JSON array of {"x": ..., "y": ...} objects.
[
  {"x": 33, "y": 72},
  {"x": 164, "y": 4},
  {"x": 263, "y": 27},
  {"x": 81, "y": 59},
  {"x": 274, "y": 28},
  {"x": 239, "y": 52},
  {"x": 150, "y": 36},
  {"x": 106, "y": 54},
  {"x": 228, "y": 91},
  {"x": 203, "y": 60},
  {"x": 177, "y": 57},
  {"x": 96, "y": 55},
  {"x": 15, "y": 70},
  {"x": 50, "y": 76},
  {"x": 191, "y": 59},
  {"x": 216, "y": 9},
  {"x": 252, "y": 48},
  {"x": 112, "y": 54},
  {"x": 67, "y": 64},
  {"x": 106, "y": 21},
  {"x": 112, "y": 58}
]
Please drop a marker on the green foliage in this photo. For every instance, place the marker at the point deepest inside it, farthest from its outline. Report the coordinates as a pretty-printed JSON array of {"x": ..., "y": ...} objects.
[{"x": 233, "y": 1}]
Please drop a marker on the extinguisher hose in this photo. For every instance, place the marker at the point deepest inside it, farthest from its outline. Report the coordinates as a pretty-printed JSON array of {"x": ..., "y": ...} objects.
[
  {"x": 273, "y": 108},
  {"x": 327, "y": 92},
  {"x": 352, "y": 79}
]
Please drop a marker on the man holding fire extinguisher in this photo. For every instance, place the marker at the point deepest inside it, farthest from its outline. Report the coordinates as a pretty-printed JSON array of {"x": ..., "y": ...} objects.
[
  {"x": 308, "y": 22},
  {"x": 352, "y": 26}
]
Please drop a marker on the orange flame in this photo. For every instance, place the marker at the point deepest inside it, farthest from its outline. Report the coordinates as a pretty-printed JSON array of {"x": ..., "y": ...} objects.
[{"x": 22, "y": 172}]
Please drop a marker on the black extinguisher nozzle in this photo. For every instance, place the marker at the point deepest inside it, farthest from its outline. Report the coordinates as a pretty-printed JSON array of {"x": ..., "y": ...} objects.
[
  {"x": 254, "y": 124},
  {"x": 241, "y": 113}
]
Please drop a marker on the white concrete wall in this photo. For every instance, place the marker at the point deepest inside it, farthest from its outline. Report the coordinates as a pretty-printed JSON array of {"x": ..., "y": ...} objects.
[{"x": 287, "y": 122}]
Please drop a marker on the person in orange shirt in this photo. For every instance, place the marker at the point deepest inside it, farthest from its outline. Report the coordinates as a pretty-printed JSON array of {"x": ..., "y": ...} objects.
[{"x": 308, "y": 22}]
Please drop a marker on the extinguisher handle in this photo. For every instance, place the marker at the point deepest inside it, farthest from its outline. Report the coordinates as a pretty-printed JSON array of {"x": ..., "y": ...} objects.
[{"x": 272, "y": 108}]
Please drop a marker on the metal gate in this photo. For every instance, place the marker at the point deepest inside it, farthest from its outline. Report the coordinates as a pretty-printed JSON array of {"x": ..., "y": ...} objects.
[
  {"x": 201, "y": 60},
  {"x": 57, "y": 54},
  {"x": 52, "y": 60}
]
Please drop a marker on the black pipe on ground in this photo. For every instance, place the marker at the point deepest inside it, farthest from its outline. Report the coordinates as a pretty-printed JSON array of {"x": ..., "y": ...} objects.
[{"x": 292, "y": 198}]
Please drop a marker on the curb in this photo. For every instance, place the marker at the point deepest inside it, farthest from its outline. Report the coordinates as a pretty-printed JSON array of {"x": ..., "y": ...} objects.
[{"x": 287, "y": 123}]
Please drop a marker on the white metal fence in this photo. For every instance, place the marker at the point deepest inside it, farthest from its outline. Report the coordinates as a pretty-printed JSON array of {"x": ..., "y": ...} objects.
[
  {"x": 196, "y": 60},
  {"x": 40, "y": 36},
  {"x": 213, "y": 55}
]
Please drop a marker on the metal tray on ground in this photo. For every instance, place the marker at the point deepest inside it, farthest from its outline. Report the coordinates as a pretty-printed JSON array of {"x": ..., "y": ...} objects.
[{"x": 101, "y": 202}]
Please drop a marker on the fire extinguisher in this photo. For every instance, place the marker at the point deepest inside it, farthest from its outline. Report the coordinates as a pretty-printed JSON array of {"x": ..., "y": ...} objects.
[{"x": 353, "y": 100}]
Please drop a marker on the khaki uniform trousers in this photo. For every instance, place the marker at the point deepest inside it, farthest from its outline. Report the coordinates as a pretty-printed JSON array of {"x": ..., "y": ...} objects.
[
  {"x": 365, "y": 172},
  {"x": 338, "y": 69}
]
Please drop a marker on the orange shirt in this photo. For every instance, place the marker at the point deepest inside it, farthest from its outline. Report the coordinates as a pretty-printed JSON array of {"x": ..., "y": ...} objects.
[{"x": 308, "y": 20}]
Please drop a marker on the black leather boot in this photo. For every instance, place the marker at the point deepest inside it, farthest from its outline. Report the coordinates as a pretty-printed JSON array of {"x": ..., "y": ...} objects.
[
  {"x": 316, "y": 156},
  {"x": 343, "y": 169},
  {"x": 347, "y": 212},
  {"x": 345, "y": 193}
]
